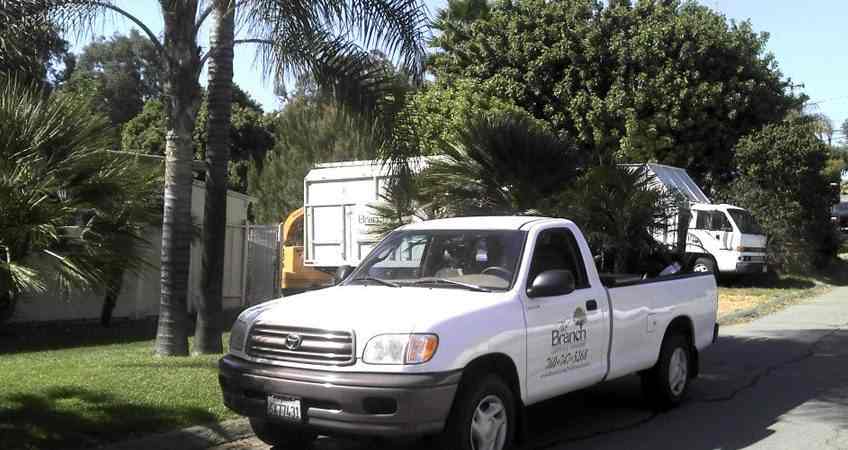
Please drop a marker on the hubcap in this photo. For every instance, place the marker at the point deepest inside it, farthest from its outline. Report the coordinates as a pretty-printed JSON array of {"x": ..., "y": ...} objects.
[
  {"x": 678, "y": 371},
  {"x": 489, "y": 424},
  {"x": 701, "y": 268}
]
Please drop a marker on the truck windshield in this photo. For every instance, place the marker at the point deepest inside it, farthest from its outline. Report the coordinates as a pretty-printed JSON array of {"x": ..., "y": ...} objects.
[
  {"x": 745, "y": 221},
  {"x": 452, "y": 259}
]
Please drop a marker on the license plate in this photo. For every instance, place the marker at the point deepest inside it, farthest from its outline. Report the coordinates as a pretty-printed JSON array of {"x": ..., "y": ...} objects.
[{"x": 282, "y": 407}]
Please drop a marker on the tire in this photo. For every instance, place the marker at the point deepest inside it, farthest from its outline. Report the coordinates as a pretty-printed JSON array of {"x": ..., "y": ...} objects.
[
  {"x": 705, "y": 265},
  {"x": 474, "y": 404},
  {"x": 281, "y": 436},
  {"x": 665, "y": 385}
]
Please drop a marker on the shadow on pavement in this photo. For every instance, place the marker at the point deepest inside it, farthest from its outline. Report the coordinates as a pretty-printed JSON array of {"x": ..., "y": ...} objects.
[{"x": 750, "y": 387}]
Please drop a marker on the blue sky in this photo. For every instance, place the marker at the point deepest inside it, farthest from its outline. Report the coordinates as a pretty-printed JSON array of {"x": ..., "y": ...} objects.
[{"x": 807, "y": 38}]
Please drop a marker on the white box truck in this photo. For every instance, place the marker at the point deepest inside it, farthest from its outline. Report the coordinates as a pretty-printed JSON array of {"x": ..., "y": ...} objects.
[
  {"x": 337, "y": 197},
  {"x": 721, "y": 238}
]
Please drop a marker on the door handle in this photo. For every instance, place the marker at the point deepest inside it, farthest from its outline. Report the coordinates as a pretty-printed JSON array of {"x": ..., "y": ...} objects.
[{"x": 591, "y": 305}]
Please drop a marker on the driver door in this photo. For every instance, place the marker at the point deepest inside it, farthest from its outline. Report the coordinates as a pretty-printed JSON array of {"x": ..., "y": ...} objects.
[{"x": 567, "y": 335}]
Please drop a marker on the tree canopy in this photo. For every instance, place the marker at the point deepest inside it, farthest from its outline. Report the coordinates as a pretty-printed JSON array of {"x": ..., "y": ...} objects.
[
  {"x": 118, "y": 75},
  {"x": 665, "y": 81}
]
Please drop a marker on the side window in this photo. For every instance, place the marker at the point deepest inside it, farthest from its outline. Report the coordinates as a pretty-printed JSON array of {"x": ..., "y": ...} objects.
[
  {"x": 557, "y": 250},
  {"x": 719, "y": 222},
  {"x": 702, "y": 221}
]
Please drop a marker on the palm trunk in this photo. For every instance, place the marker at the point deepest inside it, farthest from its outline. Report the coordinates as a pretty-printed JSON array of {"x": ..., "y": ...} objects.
[
  {"x": 182, "y": 94},
  {"x": 207, "y": 335},
  {"x": 110, "y": 300}
]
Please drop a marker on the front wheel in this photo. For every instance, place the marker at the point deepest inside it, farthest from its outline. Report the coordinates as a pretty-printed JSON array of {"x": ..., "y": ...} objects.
[
  {"x": 281, "y": 436},
  {"x": 483, "y": 417},
  {"x": 667, "y": 382}
]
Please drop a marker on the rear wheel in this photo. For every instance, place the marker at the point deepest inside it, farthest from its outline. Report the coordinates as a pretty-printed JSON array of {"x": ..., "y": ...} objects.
[
  {"x": 666, "y": 384},
  {"x": 703, "y": 265},
  {"x": 281, "y": 436},
  {"x": 483, "y": 417}
]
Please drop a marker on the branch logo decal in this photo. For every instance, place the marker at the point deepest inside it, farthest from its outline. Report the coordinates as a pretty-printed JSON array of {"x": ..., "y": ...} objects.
[{"x": 569, "y": 348}]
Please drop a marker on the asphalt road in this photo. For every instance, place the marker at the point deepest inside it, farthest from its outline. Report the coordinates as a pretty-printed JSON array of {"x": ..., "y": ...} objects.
[{"x": 780, "y": 382}]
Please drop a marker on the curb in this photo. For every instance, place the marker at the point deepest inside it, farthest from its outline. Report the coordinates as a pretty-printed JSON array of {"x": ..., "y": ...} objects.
[{"x": 193, "y": 438}]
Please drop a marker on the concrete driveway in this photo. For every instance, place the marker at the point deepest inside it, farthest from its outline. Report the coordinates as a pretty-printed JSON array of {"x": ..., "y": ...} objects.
[{"x": 780, "y": 382}]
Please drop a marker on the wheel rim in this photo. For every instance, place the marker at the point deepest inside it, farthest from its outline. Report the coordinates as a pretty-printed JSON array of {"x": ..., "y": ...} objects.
[
  {"x": 678, "y": 371},
  {"x": 701, "y": 268},
  {"x": 489, "y": 424}
]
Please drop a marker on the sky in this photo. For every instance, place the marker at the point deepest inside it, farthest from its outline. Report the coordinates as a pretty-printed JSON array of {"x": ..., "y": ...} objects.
[{"x": 807, "y": 38}]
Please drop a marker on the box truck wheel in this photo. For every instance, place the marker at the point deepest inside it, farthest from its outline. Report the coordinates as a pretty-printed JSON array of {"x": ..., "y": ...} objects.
[
  {"x": 281, "y": 436},
  {"x": 483, "y": 417},
  {"x": 704, "y": 264}
]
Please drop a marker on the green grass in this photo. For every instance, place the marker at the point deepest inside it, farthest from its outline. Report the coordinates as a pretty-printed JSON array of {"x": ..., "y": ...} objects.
[{"x": 98, "y": 392}]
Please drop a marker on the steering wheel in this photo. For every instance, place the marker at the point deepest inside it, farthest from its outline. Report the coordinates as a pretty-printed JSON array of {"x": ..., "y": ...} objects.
[{"x": 498, "y": 272}]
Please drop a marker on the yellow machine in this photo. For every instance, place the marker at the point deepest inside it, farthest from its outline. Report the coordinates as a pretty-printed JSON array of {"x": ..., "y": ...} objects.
[{"x": 294, "y": 276}]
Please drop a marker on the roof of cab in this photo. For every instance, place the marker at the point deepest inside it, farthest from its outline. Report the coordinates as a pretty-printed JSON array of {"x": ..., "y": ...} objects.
[{"x": 477, "y": 223}]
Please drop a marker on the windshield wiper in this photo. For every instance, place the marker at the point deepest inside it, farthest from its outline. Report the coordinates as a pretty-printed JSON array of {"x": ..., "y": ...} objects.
[
  {"x": 376, "y": 280},
  {"x": 469, "y": 286}
]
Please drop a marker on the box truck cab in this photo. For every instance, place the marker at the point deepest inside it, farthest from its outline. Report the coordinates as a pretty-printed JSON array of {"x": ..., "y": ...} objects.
[
  {"x": 720, "y": 238},
  {"x": 730, "y": 235}
]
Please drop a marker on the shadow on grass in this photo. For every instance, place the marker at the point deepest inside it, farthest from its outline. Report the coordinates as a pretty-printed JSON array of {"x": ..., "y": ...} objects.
[
  {"x": 72, "y": 417},
  {"x": 21, "y": 338},
  {"x": 770, "y": 281}
]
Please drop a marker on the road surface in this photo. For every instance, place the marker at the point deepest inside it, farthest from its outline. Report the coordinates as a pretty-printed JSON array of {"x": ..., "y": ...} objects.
[{"x": 780, "y": 382}]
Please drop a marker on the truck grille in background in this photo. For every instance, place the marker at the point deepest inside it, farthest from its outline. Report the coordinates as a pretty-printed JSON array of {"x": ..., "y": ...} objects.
[{"x": 316, "y": 346}]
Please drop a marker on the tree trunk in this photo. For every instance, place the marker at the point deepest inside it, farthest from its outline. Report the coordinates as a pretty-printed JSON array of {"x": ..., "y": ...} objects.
[
  {"x": 182, "y": 99},
  {"x": 113, "y": 290},
  {"x": 207, "y": 334}
]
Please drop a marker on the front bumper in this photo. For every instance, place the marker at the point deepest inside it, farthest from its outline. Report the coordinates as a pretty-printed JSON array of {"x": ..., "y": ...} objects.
[
  {"x": 751, "y": 267},
  {"x": 370, "y": 404}
]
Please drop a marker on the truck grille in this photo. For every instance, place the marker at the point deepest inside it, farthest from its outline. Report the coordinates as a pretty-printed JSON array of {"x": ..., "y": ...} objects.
[{"x": 301, "y": 345}]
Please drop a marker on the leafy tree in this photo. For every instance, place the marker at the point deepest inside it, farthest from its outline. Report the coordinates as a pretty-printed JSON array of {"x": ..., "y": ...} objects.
[
  {"x": 795, "y": 212},
  {"x": 307, "y": 131},
  {"x": 31, "y": 47},
  {"x": 145, "y": 133},
  {"x": 665, "y": 81},
  {"x": 250, "y": 136},
  {"x": 61, "y": 196},
  {"x": 123, "y": 72},
  {"x": 441, "y": 111}
]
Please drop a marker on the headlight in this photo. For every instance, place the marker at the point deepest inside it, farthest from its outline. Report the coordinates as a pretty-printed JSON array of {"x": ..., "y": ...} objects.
[{"x": 400, "y": 349}]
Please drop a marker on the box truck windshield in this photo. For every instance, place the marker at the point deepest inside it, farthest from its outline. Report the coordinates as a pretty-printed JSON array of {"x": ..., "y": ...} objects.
[{"x": 745, "y": 221}]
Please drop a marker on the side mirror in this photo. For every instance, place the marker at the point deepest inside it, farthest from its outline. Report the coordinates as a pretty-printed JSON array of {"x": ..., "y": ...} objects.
[
  {"x": 341, "y": 273},
  {"x": 550, "y": 283}
]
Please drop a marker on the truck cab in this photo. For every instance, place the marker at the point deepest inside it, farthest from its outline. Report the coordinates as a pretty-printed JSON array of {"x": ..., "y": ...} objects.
[{"x": 730, "y": 235}]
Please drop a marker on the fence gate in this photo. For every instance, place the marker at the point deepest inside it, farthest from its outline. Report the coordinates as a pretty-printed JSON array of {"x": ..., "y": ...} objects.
[{"x": 261, "y": 264}]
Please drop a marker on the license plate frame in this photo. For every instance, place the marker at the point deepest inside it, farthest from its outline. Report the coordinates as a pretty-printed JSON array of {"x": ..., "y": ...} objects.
[{"x": 284, "y": 407}]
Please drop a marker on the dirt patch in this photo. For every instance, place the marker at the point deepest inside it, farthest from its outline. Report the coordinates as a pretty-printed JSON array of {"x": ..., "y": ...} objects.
[{"x": 736, "y": 305}]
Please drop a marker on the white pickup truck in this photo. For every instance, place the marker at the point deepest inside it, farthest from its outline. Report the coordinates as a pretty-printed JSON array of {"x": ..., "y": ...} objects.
[{"x": 451, "y": 327}]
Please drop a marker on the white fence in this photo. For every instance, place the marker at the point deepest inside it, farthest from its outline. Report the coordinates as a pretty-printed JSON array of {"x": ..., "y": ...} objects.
[{"x": 250, "y": 274}]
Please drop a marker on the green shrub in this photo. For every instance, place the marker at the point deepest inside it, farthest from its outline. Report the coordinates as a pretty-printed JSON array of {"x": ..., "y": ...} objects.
[{"x": 781, "y": 181}]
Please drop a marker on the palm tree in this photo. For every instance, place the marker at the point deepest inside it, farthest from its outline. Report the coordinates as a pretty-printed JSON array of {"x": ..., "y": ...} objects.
[
  {"x": 501, "y": 164},
  {"x": 294, "y": 38},
  {"x": 314, "y": 39},
  {"x": 57, "y": 182}
]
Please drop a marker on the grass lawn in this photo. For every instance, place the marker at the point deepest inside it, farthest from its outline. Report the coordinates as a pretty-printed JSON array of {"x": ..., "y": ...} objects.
[
  {"x": 98, "y": 391},
  {"x": 747, "y": 298}
]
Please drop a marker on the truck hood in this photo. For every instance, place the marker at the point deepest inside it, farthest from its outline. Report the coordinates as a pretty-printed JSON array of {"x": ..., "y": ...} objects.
[{"x": 373, "y": 310}]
